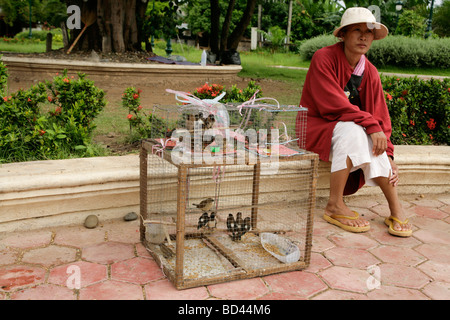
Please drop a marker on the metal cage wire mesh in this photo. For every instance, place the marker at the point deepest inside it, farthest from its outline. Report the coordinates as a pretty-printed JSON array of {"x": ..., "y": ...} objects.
[{"x": 234, "y": 206}]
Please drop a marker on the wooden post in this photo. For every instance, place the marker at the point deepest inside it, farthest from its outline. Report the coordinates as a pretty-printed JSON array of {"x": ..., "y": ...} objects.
[
  {"x": 255, "y": 193},
  {"x": 311, "y": 208},
  {"x": 181, "y": 213},
  {"x": 48, "y": 42},
  {"x": 143, "y": 158}
]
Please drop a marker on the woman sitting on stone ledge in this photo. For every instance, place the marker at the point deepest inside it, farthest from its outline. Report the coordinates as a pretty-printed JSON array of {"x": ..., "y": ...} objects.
[{"x": 349, "y": 123}]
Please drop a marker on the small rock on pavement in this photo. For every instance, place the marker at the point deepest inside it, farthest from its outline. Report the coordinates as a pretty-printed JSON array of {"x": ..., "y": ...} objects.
[
  {"x": 130, "y": 216},
  {"x": 91, "y": 221}
]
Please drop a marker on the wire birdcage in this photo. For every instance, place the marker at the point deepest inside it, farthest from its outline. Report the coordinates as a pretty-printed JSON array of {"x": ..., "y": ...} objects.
[{"x": 229, "y": 200}]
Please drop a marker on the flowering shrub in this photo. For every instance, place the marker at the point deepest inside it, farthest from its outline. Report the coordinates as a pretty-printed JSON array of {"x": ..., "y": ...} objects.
[
  {"x": 146, "y": 125},
  {"x": 208, "y": 91},
  {"x": 419, "y": 110},
  {"x": 232, "y": 95},
  {"x": 29, "y": 133}
]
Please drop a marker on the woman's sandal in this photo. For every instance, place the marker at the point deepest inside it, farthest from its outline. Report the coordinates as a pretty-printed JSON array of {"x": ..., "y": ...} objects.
[
  {"x": 390, "y": 223},
  {"x": 332, "y": 219}
]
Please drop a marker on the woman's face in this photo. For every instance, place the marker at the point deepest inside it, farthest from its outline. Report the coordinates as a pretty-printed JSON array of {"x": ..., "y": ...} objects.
[{"x": 358, "y": 38}]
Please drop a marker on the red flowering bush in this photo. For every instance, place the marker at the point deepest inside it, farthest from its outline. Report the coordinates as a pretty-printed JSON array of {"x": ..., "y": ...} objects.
[
  {"x": 419, "y": 110},
  {"x": 232, "y": 95},
  {"x": 145, "y": 125},
  {"x": 208, "y": 91},
  {"x": 27, "y": 132}
]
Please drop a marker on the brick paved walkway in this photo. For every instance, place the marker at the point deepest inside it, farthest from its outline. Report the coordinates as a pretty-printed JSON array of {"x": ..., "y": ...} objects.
[{"x": 42, "y": 264}]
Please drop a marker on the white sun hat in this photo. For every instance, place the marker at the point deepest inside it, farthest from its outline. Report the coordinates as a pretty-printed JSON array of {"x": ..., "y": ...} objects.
[{"x": 362, "y": 15}]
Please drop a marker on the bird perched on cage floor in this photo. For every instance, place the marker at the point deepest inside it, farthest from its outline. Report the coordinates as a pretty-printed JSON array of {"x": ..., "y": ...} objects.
[
  {"x": 205, "y": 205},
  {"x": 203, "y": 220},
  {"x": 231, "y": 223},
  {"x": 212, "y": 222},
  {"x": 239, "y": 221},
  {"x": 247, "y": 224}
]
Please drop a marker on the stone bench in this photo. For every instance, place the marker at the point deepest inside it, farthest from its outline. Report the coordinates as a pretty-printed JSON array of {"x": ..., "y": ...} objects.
[{"x": 39, "y": 194}]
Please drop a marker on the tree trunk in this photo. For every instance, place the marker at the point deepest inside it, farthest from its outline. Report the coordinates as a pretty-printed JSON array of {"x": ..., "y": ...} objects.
[
  {"x": 118, "y": 26},
  {"x": 226, "y": 27},
  {"x": 104, "y": 23},
  {"x": 236, "y": 35},
  {"x": 215, "y": 17},
  {"x": 117, "y": 17}
]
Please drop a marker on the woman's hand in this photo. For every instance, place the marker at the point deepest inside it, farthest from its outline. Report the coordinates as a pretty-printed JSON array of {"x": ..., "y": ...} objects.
[
  {"x": 379, "y": 141},
  {"x": 393, "y": 179}
]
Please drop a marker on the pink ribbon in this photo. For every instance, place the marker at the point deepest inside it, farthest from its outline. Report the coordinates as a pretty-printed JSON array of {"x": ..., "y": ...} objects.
[{"x": 160, "y": 147}]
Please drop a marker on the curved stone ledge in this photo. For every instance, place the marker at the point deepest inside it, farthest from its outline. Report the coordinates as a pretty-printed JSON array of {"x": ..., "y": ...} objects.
[
  {"x": 31, "y": 69},
  {"x": 59, "y": 192}
]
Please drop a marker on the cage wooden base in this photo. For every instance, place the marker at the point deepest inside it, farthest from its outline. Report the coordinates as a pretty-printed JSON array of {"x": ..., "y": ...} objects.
[{"x": 191, "y": 257}]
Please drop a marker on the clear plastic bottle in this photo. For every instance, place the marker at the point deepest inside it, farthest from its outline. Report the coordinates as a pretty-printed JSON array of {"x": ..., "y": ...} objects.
[{"x": 203, "y": 59}]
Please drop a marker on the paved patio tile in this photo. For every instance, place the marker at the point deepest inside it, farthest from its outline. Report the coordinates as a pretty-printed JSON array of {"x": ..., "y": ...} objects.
[
  {"x": 79, "y": 236},
  {"x": 8, "y": 256},
  {"x": 112, "y": 290},
  {"x": 430, "y": 224},
  {"x": 353, "y": 240},
  {"x": 398, "y": 255},
  {"x": 320, "y": 244},
  {"x": 432, "y": 203},
  {"x": 445, "y": 209},
  {"x": 433, "y": 236},
  {"x": 395, "y": 293},
  {"x": 339, "y": 295},
  {"x": 350, "y": 257},
  {"x": 165, "y": 290},
  {"x": 88, "y": 273},
  {"x": 429, "y": 212},
  {"x": 45, "y": 292},
  {"x": 108, "y": 252},
  {"x": 27, "y": 239},
  {"x": 318, "y": 262},
  {"x": 382, "y": 236},
  {"x": 247, "y": 289},
  {"x": 142, "y": 251},
  {"x": 281, "y": 296},
  {"x": 438, "y": 290},
  {"x": 436, "y": 270},
  {"x": 436, "y": 252},
  {"x": 123, "y": 231},
  {"x": 136, "y": 270},
  {"x": 17, "y": 276},
  {"x": 303, "y": 284},
  {"x": 348, "y": 279},
  {"x": 403, "y": 276},
  {"x": 50, "y": 256}
]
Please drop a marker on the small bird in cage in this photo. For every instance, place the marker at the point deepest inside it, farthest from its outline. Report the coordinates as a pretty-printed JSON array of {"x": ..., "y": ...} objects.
[
  {"x": 209, "y": 121},
  {"x": 203, "y": 220},
  {"x": 205, "y": 205},
  {"x": 239, "y": 221},
  {"x": 247, "y": 225},
  {"x": 212, "y": 223},
  {"x": 231, "y": 223}
]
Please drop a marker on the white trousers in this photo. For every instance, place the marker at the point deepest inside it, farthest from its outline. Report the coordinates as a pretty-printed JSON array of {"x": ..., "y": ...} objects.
[{"x": 350, "y": 140}]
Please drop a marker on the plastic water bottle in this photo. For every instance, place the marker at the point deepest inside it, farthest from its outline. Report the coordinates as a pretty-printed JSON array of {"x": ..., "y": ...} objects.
[{"x": 203, "y": 60}]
